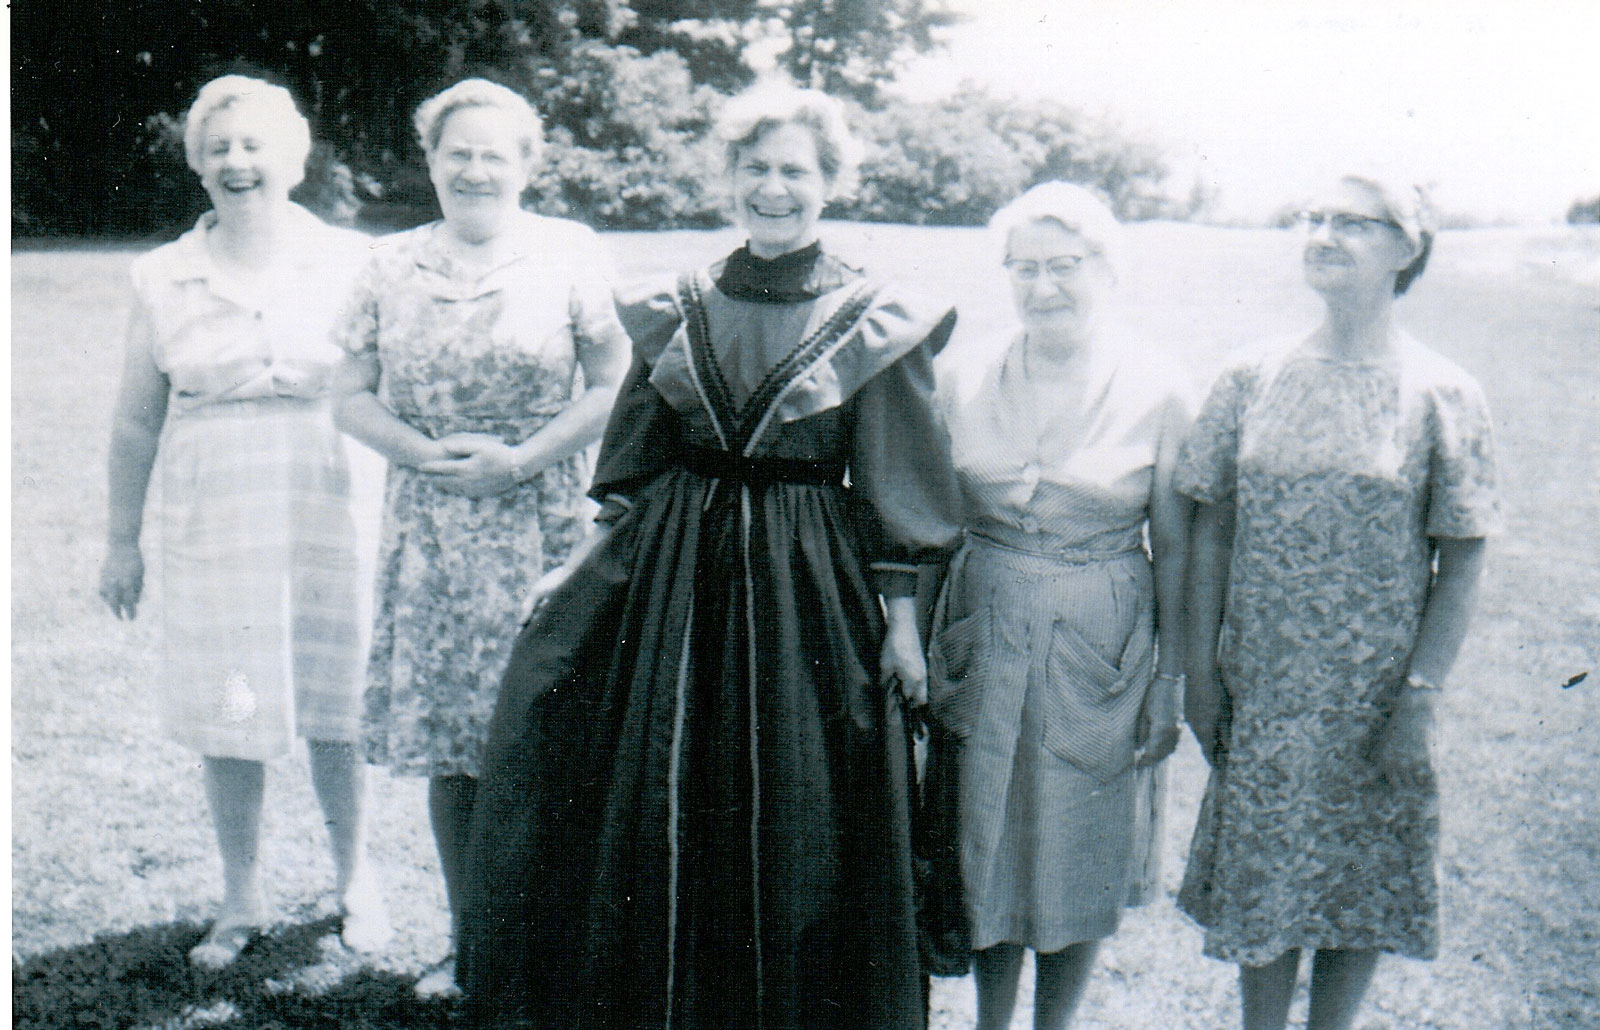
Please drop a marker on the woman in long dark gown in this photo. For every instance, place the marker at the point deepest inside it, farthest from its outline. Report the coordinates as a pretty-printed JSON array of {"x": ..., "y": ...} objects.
[{"x": 694, "y": 805}]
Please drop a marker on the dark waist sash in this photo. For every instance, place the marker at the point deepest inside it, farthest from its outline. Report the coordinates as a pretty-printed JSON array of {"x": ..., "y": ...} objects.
[{"x": 713, "y": 463}]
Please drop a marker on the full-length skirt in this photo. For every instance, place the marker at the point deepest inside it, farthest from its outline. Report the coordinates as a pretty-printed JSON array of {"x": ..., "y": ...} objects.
[{"x": 694, "y": 808}]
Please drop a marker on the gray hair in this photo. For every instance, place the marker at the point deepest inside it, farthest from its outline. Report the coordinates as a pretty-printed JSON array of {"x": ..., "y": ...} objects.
[
  {"x": 282, "y": 120},
  {"x": 1075, "y": 209},
  {"x": 747, "y": 117},
  {"x": 1409, "y": 206},
  {"x": 432, "y": 113}
]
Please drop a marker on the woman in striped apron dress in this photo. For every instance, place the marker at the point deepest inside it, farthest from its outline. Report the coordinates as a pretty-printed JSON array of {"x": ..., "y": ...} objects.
[{"x": 1051, "y": 701}]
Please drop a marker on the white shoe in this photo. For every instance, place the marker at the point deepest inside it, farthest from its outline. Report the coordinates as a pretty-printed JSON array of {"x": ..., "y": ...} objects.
[
  {"x": 366, "y": 926},
  {"x": 439, "y": 982}
]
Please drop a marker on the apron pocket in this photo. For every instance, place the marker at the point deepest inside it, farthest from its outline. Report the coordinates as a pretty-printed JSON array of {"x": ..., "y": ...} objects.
[
  {"x": 1091, "y": 708},
  {"x": 958, "y": 657}
]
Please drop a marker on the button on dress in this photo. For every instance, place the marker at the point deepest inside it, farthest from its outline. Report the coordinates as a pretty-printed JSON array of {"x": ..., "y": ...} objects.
[
  {"x": 1044, "y": 644},
  {"x": 257, "y": 556}
]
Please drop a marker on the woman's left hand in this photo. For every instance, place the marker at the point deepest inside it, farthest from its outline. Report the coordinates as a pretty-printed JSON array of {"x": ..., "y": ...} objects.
[
  {"x": 482, "y": 466},
  {"x": 1405, "y": 742},
  {"x": 1158, "y": 722},
  {"x": 903, "y": 663}
]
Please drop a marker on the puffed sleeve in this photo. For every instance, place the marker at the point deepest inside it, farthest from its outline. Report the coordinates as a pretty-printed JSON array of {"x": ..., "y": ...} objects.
[
  {"x": 356, "y": 328},
  {"x": 642, "y": 434},
  {"x": 593, "y": 307},
  {"x": 1208, "y": 460},
  {"x": 1462, "y": 497},
  {"x": 904, "y": 494}
]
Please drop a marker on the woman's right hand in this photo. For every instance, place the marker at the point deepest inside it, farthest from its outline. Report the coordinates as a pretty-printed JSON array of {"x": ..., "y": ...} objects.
[
  {"x": 122, "y": 579},
  {"x": 542, "y": 588},
  {"x": 552, "y": 581}
]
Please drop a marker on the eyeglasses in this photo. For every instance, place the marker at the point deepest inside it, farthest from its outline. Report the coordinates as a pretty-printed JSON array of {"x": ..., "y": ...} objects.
[
  {"x": 1059, "y": 269},
  {"x": 1345, "y": 223}
]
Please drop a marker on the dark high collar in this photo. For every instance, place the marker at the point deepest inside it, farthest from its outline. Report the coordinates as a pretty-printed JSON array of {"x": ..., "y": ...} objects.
[{"x": 786, "y": 279}]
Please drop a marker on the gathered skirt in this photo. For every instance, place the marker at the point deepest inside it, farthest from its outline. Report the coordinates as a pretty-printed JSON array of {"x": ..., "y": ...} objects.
[
  {"x": 1038, "y": 672},
  {"x": 694, "y": 804},
  {"x": 260, "y": 636}
]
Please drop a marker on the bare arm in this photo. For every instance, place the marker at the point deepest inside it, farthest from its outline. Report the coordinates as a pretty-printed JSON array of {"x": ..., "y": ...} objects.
[
  {"x": 360, "y": 413},
  {"x": 478, "y": 465},
  {"x": 1407, "y": 737},
  {"x": 1170, "y": 515},
  {"x": 1206, "y": 586},
  {"x": 141, "y": 412}
]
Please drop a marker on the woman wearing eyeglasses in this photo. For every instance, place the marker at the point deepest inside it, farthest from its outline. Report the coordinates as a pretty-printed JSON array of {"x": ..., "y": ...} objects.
[
  {"x": 1051, "y": 704},
  {"x": 1345, "y": 486}
]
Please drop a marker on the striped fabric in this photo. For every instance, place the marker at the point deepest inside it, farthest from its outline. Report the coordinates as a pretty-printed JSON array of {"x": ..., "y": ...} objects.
[
  {"x": 258, "y": 571},
  {"x": 1039, "y": 668},
  {"x": 1044, "y": 646}
]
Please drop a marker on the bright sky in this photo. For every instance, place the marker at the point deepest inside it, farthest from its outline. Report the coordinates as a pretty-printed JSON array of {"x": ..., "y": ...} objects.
[{"x": 1497, "y": 103}]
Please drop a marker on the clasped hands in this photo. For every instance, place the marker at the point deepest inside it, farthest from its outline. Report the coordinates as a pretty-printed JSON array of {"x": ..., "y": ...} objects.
[{"x": 474, "y": 465}]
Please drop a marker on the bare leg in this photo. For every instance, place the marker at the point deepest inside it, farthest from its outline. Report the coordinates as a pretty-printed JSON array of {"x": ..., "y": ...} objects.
[
  {"x": 450, "y": 802},
  {"x": 997, "y": 970},
  {"x": 1266, "y": 991},
  {"x": 1339, "y": 979},
  {"x": 1058, "y": 981},
  {"x": 234, "y": 787},
  {"x": 339, "y": 778}
]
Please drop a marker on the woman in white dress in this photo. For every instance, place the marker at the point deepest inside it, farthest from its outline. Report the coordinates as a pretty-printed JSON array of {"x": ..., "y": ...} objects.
[{"x": 228, "y": 376}]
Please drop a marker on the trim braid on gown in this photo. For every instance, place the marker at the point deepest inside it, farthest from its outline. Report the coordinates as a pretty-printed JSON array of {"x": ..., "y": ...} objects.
[{"x": 694, "y": 804}]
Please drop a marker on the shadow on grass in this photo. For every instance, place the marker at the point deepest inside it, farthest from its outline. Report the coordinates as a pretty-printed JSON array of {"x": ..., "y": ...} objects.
[{"x": 290, "y": 978}]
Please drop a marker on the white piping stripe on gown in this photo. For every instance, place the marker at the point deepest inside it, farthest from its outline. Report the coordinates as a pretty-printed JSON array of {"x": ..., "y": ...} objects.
[
  {"x": 755, "y": 742},
  {"x": 674, "y": 762}
]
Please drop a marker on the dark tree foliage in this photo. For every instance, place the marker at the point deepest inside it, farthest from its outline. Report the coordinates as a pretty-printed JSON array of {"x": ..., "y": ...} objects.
[
  {"x": 847, "y": 47},
  {"x": 626, "y": 87},
  {"x": 89, "y": 78},
  {"x": 1584, "y": 212}
]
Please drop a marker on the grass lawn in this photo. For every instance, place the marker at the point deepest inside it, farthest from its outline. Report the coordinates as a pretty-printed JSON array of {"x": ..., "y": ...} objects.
[{"x": 113, "y": 864}]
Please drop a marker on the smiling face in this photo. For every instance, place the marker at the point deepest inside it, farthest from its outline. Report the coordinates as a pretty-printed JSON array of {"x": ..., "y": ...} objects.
[
  {"x": 1057, "y": 280},
  {"x": 1352, "y": 243},
  {"x": 478, "y": 170},
  {"x": 779, "y": 190},
  {"x": 242, "y": 165}
]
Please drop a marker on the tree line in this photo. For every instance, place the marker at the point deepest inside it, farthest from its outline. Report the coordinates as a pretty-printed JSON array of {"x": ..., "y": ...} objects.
[{"x": 627, "y": 89}]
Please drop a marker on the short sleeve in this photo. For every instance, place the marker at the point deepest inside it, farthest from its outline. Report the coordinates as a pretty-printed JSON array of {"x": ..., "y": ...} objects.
[
  {"x": 593, "y": 307},
  {"x": 1463, "y": 498},
  {"x": 1208, "y": 460},
  {"x": 356, "y": 328}
]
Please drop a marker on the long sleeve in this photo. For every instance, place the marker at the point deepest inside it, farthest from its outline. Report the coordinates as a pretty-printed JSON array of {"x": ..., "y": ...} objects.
[{"x": 903, "y": 488}]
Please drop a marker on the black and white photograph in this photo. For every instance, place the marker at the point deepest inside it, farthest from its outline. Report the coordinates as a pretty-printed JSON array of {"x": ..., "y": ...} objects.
[{"x": 805, "y": 515}]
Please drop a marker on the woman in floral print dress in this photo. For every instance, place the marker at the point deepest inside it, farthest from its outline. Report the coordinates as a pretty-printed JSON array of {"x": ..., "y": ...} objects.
[
  {"x": 469, "y": 333},
  {"x": 1346, "y": 484}
]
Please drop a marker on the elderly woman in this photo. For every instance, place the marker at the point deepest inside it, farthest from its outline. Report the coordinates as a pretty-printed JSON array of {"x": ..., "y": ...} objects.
[
  {"x": 694, "y": 809},
  {"x": 1346, "y": 484},
  {"x": 228, "y": 376},
  {"x": 1052, "y": 701},
  {"x": 470, "y": 334}
]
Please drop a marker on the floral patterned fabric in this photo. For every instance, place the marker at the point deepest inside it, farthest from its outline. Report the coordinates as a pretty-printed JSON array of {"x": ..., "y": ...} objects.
[
  {"x": 468, "y": 350},
  {"x": 1340, "y": 474}
]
